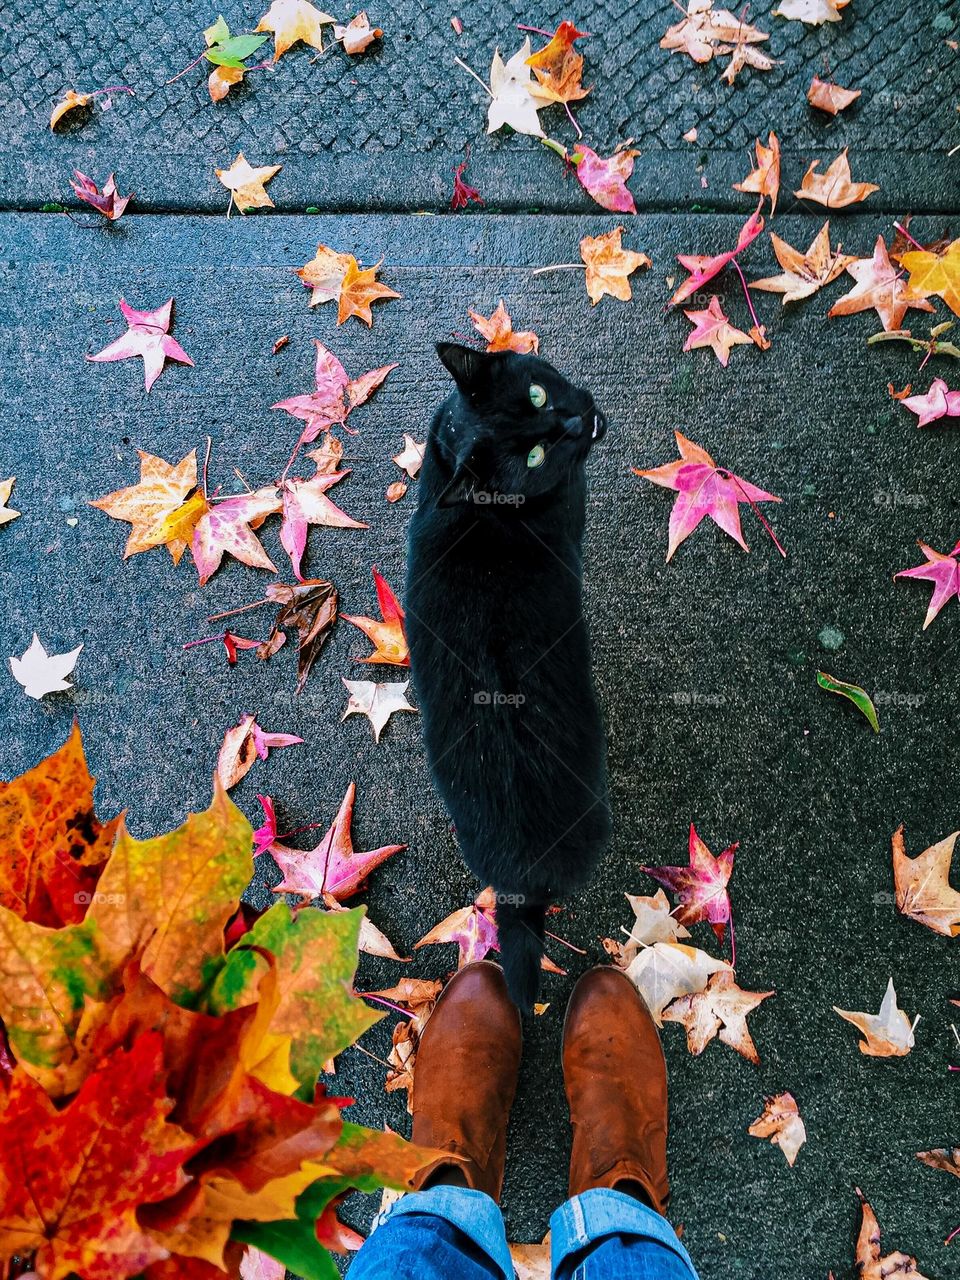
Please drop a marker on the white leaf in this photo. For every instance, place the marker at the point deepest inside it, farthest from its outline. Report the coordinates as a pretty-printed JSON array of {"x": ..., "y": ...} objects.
[{"x": 40, "y": 672}]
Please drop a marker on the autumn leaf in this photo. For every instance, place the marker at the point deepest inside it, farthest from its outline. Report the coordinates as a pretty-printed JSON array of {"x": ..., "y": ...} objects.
[
  {"x": 943, "y": 571},
  {"x": 721, "y": 1008},
  {"x": 293, "y": 20},
  {"x": 228, "y": 54},
  {"x": 305, "y": 502},
  {"x": 372, "y": 941},
  {"x": 938, "y": 402},
  {"x": 887, "y": 1034},
  {"x": 473, "y": 929},
  {"x": 109, "y": 202},
  {"x": 316, "y": 955},
  {"x": 558, "y": 68},
  {"x": 944, "y": 1160},
  {"x": 511, "y": 94},
  {"x": 935, "y": 272},
  {"x": 324, "y": 273},
  {"x": 706, "y": 32},
  {"x": 246, "y": 183},
  {"x": 172, "y": 895},
  {"x": 703, "y": 267},
  {"x": 859, "y": 697},
  {"x": 667, "y": 970},
  {"x": 870, "y": 1264},
  {"x": 225, "y": 528},
  {"x": 712, "y": 329},
  {"x": 410, "y": 458},
  {"x": 830, "y": 97},
  {"x": 70, "y": 101},
  {"x": 704, "y": 489},
  {"x": 376, "y": 701},
  {"x": 922, "y": 884},
  {"x": 149, "y": 504},
  {"x": 700, "y": 887},
  {"x": 333, "y": 866},
  {"x": 880, "y": 286},
  {"x": 804, "y": 273},
  {"x": 385, "y": 634},
  {"x": 609, "y": 265},
  {"x": 357, "y": 35},
  {"x": 463, "y": 193},
  {"x": 834, "y": 187},
  {"x": 6, "y": 488},
  {"x": 40, "y": 672},
  {"x": 813, "y": 12},
  {"x": 114, "y": 1152},
  {"x": 147, "y": 336},
  {"x": 54, "y": 844},
  {"x": 499, "y": 332},
  {"x": 244, "y": 743},
  {"x": 335, "y": 396},
  {"x": 654, "y": 921},
  {"x": 605, "y": 179},
  {"x": 310, "y": 608},
  {"x": 764, "y": 180},
  {"x": 780, "y": 1121}
]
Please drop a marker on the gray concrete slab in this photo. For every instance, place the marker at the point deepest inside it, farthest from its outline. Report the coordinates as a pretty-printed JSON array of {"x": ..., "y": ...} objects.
[
  {"x": 384, "y": 130},
  {"x": 705, "y": 667}
]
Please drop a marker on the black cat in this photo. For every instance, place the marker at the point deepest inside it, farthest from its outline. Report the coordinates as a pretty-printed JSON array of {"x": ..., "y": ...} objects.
[{"x": 498, "y": 641}]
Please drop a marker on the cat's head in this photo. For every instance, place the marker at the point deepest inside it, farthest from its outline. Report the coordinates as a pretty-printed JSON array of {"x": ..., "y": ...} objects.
[{"x": 525, "y": 427}]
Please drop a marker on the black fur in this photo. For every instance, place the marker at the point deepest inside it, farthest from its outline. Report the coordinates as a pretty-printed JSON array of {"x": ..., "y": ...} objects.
[{"x": 498, "y": 641}]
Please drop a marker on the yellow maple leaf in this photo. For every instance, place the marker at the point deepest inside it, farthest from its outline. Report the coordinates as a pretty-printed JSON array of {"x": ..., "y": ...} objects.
[
  {"x": 936, "y": 273},
  {"x": 293, "y": 20},
  {"x": 151, "y": 503},
  {"x": 246, "y": 183}
]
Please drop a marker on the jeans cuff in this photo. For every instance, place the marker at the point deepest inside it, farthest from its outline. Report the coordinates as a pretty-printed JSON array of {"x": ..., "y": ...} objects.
[
  {"x": 601, "y": 1212},
  {"x": 474, "y": 1213}
]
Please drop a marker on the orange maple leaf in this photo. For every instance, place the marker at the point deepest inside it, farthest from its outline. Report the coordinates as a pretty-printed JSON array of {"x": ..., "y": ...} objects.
[
  {"x": 765, "y": 178},
  {"x": 500, "y": 334},
  {"x": 387, "y": 633},
  {"x": 834, "y": 188},
  {"x": 609, "y": 265},
  {"x": 558, "y": 68}
]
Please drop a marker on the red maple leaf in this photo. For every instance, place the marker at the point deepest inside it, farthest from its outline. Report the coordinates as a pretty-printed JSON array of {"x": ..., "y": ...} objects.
[
  {"x": 700, "y": 887},
  {"x": 704, "y": 267},
  {"x": 386, "y": 635}
]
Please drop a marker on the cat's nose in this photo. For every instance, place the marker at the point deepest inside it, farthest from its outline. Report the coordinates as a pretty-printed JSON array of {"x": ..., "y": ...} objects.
[{"x": 599, "y": 426}]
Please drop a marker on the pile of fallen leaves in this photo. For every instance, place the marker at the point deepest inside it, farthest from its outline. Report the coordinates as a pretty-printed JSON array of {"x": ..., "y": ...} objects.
[{"x": 159, "y": 1111}]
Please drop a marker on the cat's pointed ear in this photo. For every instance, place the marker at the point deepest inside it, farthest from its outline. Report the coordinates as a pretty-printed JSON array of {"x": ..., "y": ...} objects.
[{"x": 468, "y": 366}]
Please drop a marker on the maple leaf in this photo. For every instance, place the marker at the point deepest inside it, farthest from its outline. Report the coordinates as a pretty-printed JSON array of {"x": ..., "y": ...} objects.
[
  {"x": 148, "y": 505},
  {"x": 226, "y": 528},
  {"x": 833, "y": 188},
  {"x": 605, "y": 180},
  {"x": 293, "y": 20},
  {"x": 936, "y": 272},
  {"x": 387, "y": 636},
  {"x": 335, "y": 397},
  {"x": 115, "y": 1152},
  {"x": 310, "y": 607},
  {"x": 242, "y": 744},
  {"x": 315, "y": 955},
  {"x": 943, "y": 1159},
  {"x": 70, "y": 101},
  {"x": 358, "y": 290},
  {"x": 701, "y": 886},
  {"x": 704, "y": 489},
  {"x": 780, "y": 1121},
  {"x": 473, "y": 929},
  {"x": 703, "y": 267},
  {"x": 499, "y": 332},
  {"x": 558, "y": 68},
  {"x": 653, "y": 920},
  {"x": 712, "y": 329},
  {"x": 333, "y": 866},
  {"x": 109, "y": 202},
  {"x": 668, "y": 970},
  {"x": 804, "y": 273},
  {"x": 6, "y": 488},
  {"x": 830, "y": 97},
  {"x": 358, "y": 34},
  {"x": 943, "y": 571},
  {"x": 879, "y": 286},
  {"x": 147, "y": 336},
  {"x": 764, "y": 180},
  {"x": 887, "y": 1034},
  {"x": 246, "y": 183},
  {"x": 720, "y": 1008},
  {"x": 463, "y": 193},
  {"x": 706, "y": 32},
  {"x": 376, "y": 701},
  {"x": 40, "y": 672},
  {"x": 324, "y": 273},
  {"x": 54, "y": 845},
  {"x": 511, "y": 94},
  {"x": 939, "y": 402},
  {"x": 813, "y": 12},
  {"x": 870, "y": 1264},
  {"x": 922, "y": 884},
  {"x": 410, "y": 459},
  {"x": 305, "y": 502},
  {"x": 609, "y": 265}
]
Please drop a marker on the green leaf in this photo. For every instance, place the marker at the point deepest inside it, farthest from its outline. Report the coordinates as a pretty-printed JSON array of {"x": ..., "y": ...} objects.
[
  {"x": 859, "y": 697},
  {"x": 294, "y": 1243},
  {"x": 231, "y": 53},
  {"x": 316, "y": 956},
  {"x": 218, "y": 32}
]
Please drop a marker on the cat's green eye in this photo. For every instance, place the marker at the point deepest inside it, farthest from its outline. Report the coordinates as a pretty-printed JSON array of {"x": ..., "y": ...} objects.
[
  {"x": 538, "y": 398},
  {"x": 536, "y": 455}
]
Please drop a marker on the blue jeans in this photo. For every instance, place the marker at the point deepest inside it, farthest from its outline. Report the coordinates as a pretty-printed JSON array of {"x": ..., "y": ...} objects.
[{"x": 452, "y": 1233}]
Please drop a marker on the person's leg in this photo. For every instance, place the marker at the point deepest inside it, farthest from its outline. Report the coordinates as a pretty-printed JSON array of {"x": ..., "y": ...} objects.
[
  {"x": 450, "y": 1228},
  {"x": 612, "y": 1227}
]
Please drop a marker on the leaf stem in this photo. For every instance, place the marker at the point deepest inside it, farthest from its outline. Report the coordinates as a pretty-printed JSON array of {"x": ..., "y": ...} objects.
[
  {"x": 559, "y": 266},
  {"x": 231, "y": 613},
  {"x": 389, "y": 1003},
  {"x": 564, "y": 943},
  {"x": 570, "y": 114},
  {"x": 746, "y": 293},
  {"x": 907, "y": 236},
  {"x": 188, "y": 67},
  {"x": 470, "y": 71}
]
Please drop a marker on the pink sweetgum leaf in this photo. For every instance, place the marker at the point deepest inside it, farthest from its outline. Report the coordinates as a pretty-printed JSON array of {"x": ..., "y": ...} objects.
[
  {"x": 148, "y": 337},
  {"x": 701, "y": 887}
]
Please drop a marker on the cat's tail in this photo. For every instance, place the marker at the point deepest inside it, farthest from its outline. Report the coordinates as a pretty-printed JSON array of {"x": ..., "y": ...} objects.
[{"x": 520, "y": 930}]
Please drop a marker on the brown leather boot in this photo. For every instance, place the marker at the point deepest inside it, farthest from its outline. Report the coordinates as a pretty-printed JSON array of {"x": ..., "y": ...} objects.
[
  {"x": 466, "y": 1076},
  {"x": 616, "y": 1082}
]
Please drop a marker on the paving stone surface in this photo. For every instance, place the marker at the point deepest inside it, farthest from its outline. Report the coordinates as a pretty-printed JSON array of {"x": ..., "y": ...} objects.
[
  {"x": 706, "y": 667},
  {"x": 384, "y": 130}
]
